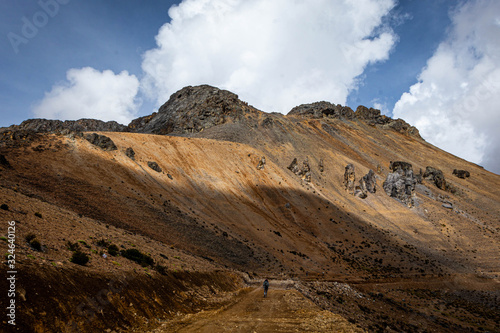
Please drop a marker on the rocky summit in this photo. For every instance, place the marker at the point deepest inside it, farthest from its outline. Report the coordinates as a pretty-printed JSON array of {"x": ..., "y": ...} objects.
[{"x": 171, "y": 223}]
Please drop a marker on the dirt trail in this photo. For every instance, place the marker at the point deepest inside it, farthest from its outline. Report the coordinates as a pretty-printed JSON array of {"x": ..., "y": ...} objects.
[{"x": 281, "y": 311}]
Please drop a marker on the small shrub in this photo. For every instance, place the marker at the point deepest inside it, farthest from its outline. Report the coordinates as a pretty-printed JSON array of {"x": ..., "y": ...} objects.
[
  {"x": 3, "y": 238},
  {"x": 29, "y": 237},
  {"x": 161, "y": 269},
  {"x": 36, "y": 245},
  {"x": 37, "y": 214},
  {"x": 137, "y": 256},
  {"x": 79, "y": 258},
  {"x": 102, "y": 243},
  {"x": 4, "y": 207},
  {"x": 84, "y": 243},
  {"x": 113, "y": 250},
  {"x": 73, "y": 246}
]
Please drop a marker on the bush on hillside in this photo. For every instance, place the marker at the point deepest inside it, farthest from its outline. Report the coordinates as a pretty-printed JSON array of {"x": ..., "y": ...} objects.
[
  {"x": 113, "y": 250},
  {"x": 79, "y": 258},
  {"x": 137, "y": 256}
]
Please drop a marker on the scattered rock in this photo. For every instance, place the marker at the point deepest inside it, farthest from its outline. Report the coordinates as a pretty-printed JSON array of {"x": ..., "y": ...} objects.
[
  {"x": 321, "y": 166},
  {"x": 262, "y": 163},
  {"x": 130, "y": 153},
  {"x": 448, "y": 205},
  {"x": 437, "y": 176},
  {"x": 101, "y": 141},
  {"x": 304, "y": 172},
  {"x": 400, "y": 183},
  {"x": 154, "y": 166},
  {"x": 461, "y": 173}
]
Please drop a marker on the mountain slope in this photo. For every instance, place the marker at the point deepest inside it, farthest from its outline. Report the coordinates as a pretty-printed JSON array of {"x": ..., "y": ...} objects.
[{"x": 222, "y": 191}]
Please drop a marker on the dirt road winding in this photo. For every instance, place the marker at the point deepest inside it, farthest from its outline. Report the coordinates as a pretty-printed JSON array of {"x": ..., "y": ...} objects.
[{"x": 282, "y": 311}]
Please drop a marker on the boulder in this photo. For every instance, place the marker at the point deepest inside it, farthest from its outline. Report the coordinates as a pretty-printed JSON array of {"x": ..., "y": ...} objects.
[
  {"x": 154, "y": 166},
  {"x": 130, "y": 153},
  {"x": 101, "y": 141},
  {"x": 436, "y": 176},
  {"x": 461, "y": 173}
]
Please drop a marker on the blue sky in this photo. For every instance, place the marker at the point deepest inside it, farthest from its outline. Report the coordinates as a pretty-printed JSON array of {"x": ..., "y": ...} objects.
[{"x": 121, "y": 59}]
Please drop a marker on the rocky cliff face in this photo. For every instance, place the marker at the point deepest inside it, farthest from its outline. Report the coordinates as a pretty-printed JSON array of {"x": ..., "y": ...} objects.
[{"x": 194, "y": 109}]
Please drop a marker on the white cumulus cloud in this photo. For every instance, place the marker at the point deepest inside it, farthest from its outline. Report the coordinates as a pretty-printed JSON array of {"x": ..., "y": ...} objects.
[
  {"x": 456, "y": 102},
  {"x": 274, "y": 54},
  {"x": 89, "y": 93}
]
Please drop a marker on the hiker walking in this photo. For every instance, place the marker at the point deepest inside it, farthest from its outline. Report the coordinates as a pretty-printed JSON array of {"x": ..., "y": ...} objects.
[{"x": 266, "y": 286}]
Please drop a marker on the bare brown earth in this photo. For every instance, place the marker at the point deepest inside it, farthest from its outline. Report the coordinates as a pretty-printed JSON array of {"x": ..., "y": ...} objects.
[
  {"x": 215, "y": 221},
  {"x": 281, "y": 311}
]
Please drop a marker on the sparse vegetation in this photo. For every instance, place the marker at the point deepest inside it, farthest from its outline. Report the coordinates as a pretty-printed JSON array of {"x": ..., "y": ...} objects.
[
  {"x": 137, "y": 256},
  {"x": 84, "y": 243},
  {"x": 161, "y": 269},
  {"x": 73, "y": 246},
  {"x": 79, "y": 258},
  {"x": 103, "y": 243},
  {"x": 113, "y": 250},
  {"x": 33, "y": 242},
  {"x": 36, "y": 245},
  {"x": 29, "y": 237}
]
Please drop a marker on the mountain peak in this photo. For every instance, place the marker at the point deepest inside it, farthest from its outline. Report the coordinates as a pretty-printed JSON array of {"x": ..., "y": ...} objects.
[{"x": 193, "y": 109}]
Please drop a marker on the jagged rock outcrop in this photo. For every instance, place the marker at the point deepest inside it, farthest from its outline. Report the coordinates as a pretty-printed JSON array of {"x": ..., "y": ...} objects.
[
  {"x": 192, "y": 110},
  {"x": 373, "y": 117},
  {"x": 58, "y": 126},
  {"x": 436, "y": 176},
  {"x": 368, "y": 183},
  {"x": 101, "y": 141},
  {"x": 304, "y": 172},
  {"x": 349, "y": 178},
  {"x": 154, "y": 166},
  {"x": 461, "y": 173},
  {"x": 322, "y": 110},
  {"x": 400, "y": 182},
  {"x": 369, "y": 115}
]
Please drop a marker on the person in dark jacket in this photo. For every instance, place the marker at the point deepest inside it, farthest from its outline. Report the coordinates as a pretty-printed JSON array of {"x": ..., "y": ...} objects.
[{"x": 266, "y": 286}]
